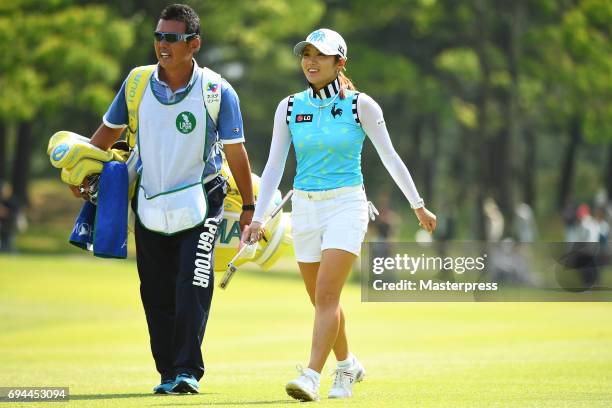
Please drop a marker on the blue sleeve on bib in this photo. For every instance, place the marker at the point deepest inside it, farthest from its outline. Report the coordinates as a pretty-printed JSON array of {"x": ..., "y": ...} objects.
[
  {"x": 117, "y": 113},
  {"x": 230, "y": 119}
]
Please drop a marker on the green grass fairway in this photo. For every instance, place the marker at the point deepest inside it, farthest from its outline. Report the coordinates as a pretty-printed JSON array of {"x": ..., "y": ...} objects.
[{"x": 78, "y": 322}]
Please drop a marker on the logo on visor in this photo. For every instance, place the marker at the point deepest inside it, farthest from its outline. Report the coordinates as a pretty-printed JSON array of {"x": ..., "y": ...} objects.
[
  {"x": 317, "y": 36},
  {"x": 185, "y": 122}
]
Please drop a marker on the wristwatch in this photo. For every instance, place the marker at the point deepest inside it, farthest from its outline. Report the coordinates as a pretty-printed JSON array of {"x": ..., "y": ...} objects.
[{"x": 248, "y": 207}]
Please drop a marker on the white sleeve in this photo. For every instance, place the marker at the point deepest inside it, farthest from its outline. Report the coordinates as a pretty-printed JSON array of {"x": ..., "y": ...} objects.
[
  {"x": 373, "y": 123},
  {"x": 273, "y": 172}
]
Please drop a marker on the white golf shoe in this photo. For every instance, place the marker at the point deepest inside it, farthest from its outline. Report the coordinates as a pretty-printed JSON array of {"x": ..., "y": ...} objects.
[
  {"x": 344, "y": 378},
  {"x": 305, "y": 387}
]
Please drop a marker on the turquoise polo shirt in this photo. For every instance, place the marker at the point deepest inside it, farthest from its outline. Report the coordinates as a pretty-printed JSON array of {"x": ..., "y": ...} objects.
[{"x": 327, "y": 139}]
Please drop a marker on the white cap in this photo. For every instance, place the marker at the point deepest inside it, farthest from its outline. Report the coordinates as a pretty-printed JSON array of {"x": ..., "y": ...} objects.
[{"x": 325, "y": 40}]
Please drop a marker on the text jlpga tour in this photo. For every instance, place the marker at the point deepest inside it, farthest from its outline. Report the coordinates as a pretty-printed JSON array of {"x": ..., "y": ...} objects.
[{"x": 203, "y": 261}]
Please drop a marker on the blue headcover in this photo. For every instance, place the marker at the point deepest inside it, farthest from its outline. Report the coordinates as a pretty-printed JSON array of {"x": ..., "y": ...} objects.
[{"x": 103, "y": 228}]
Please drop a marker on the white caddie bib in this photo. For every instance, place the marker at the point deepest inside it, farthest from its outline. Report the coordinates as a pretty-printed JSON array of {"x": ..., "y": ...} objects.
[{"x": 171, "y": 143}]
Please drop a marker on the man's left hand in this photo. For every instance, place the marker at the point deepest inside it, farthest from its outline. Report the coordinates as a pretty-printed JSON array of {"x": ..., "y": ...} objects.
[{"x": 238, "y": 162}]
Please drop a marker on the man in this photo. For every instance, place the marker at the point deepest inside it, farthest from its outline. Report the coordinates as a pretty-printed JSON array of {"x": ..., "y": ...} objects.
[{"x": 179, "y": 143}]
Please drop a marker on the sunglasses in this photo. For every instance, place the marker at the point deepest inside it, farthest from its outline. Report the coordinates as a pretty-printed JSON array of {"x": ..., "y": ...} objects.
[{"x": 172, "y": 37}]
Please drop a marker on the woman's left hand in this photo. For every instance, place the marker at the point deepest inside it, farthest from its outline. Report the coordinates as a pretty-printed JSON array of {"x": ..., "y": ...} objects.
[
  {"x": 253, "y": 232},
  {"x": 427, "y": 219}
]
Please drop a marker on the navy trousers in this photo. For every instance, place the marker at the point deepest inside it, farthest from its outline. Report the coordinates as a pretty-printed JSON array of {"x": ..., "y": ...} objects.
[{"x": 176, "y": 288}]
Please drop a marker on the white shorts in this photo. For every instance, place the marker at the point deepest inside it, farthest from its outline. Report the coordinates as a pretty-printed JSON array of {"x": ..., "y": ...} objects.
[{"x": 322, "y": 220}]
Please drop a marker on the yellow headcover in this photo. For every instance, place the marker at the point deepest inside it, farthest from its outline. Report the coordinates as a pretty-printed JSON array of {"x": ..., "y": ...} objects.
[
  {"x": 76, "y": 174},
  {"x": 78, "y": 158},
  {"x": 65, "y": 149}
]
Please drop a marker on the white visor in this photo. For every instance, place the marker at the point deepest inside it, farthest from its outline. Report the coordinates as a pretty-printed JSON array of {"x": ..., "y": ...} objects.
[{"x": 325, "y": 40}]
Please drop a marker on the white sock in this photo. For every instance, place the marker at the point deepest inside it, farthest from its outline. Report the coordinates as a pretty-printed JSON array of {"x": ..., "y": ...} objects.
[
  {"x": 313, "y": 374},
  {"x": 346, "y": 363}
]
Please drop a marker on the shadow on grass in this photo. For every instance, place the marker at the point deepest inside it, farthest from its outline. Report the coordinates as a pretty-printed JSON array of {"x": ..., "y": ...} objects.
[
  {"x": 231, "y": 403},
  {"x": 87, "y": 397}
]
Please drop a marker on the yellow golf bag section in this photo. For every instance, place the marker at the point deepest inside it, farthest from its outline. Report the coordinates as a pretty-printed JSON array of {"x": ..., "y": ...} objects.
[
  {"x": 82, "y": 162},
  {"x": 278, "y": 231}
]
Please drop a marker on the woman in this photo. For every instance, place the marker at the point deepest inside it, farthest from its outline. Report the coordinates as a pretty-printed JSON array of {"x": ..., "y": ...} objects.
[{"x": 327, "y": 124}]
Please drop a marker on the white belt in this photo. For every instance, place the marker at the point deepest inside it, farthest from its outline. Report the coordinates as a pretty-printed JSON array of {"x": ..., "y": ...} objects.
[{"x": 326, "y": 194}]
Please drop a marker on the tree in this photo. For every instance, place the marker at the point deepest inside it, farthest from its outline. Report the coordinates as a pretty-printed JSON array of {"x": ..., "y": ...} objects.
[
  {"x": 570, "y": 55},
  {"x": 47, "y": 70}
]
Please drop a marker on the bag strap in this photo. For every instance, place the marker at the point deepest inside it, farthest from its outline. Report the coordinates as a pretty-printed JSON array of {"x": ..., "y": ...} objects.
[{"x": 134, "y": 90}]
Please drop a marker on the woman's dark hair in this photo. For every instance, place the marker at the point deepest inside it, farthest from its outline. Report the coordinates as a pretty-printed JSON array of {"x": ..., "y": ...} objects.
[{"x": 184, "y": 13}]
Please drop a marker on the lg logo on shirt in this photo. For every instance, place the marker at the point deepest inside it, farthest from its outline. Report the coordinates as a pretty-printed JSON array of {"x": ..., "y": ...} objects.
[{"x": 302, "y": 118}]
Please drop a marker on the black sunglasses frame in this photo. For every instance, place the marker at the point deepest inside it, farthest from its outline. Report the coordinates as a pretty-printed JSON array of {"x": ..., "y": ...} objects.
[{"x": 173, "y": 37}]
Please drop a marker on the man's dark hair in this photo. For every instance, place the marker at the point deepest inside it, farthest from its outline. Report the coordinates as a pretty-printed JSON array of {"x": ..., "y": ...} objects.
[{"x": 184, "y": 13}]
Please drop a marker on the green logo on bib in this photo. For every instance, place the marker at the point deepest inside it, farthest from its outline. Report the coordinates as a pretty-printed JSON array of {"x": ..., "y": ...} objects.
[{"x": 185, "y": 122}]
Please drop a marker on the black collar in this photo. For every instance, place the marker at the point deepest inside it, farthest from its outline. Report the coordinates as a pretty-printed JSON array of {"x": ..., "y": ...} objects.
[{"x": 327, "y": 91}]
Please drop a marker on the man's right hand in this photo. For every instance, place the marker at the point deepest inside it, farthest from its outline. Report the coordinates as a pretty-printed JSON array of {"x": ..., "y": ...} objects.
[
  {"x": 75, "y": 191},
  {"x": 427, "y": 219}
]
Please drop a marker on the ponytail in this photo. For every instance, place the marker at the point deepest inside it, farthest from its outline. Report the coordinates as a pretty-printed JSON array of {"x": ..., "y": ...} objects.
[{"x": 345, "y": 82}]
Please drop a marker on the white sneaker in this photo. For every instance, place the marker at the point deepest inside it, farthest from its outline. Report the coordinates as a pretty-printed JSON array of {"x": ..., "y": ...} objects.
[
  {"x": 305, "y": 387},
  {"x": 345, "y": 378}
]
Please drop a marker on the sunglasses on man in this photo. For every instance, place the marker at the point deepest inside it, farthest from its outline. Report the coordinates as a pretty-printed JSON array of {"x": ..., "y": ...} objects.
[{"x": 172, "y": 37}]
